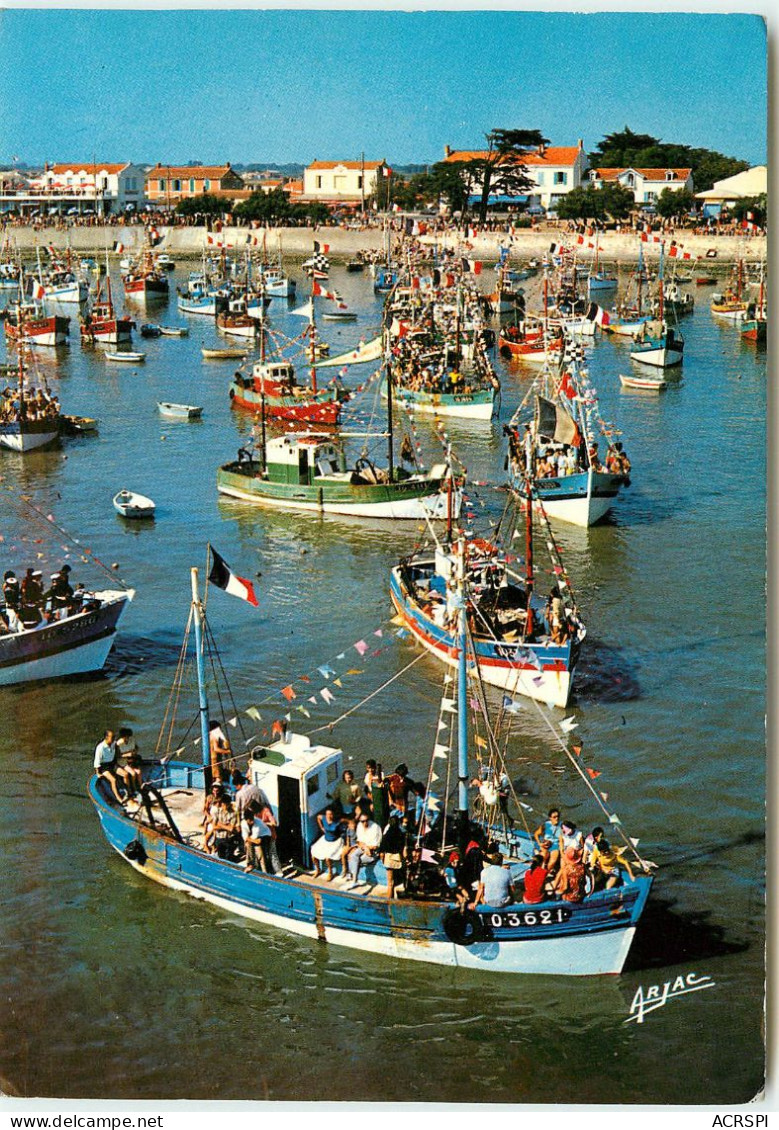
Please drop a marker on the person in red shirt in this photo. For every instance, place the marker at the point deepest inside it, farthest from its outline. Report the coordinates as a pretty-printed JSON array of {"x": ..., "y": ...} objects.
[{"x": 534, "y": 880}]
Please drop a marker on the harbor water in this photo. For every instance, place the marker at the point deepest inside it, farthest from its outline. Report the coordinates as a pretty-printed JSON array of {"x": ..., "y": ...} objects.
[{"x": 116, "y": 988}]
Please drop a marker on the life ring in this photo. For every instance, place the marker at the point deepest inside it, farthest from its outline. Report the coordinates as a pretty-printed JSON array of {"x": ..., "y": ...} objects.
[
  {"x": 463, "y": 929},
  {"x": 136, "y": 852}
]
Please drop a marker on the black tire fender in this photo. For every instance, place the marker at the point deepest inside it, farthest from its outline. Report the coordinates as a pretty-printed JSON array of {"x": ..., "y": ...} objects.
[
  {"x": 136, "y": 852},
  {"x": 463, "y": 929}
]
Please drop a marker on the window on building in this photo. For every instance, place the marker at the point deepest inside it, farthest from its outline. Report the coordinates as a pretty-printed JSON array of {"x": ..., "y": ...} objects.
[
  {"x": 561, "y": 178},
  {"x": 359, "y": 182},
  {"x": 104, "y": 183},
  {"x": 649, "y": 197},
  {"x": 162, "y": 185},
  {"x": 319, "y": 182},
  {"x": 191, "y": 184},
  {"x": 206, "y": 185},
  {"x": 540, "y": 179},
  {"x": 631, "y": 180},
  {"x": 176, "y": 185},
  {"x": 339, "y": 184},
  {"x": 669, "y": 175}
]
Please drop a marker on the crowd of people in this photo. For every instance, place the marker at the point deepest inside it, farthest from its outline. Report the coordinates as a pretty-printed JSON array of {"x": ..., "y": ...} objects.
[
  {"x": 36, "y": 404},
  {"x": 29, "y": 604}
]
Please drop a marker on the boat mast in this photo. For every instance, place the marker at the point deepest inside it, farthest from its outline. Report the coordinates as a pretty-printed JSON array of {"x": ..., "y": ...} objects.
[
  {"x": 312, "y": 332},
  {"x": 528, "y": 553},
  {"x": 462, "y": 687},
  {"x": 390, "y": 453},
  {"x": 197, "y": 610},
  {"x": 639, "y": 273},
  {"x": 660, "y": 281}
]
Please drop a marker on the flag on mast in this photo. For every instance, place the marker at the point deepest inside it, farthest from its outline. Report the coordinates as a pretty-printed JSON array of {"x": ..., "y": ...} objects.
[{"x": 223, "y": 577}]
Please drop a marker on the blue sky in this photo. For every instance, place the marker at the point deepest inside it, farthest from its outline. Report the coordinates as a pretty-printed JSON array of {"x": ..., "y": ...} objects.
[{"x": 281, "y": 86}]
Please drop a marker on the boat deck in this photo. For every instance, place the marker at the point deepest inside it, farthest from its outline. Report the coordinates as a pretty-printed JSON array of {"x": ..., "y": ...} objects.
[{"x": 186, "y": 808}]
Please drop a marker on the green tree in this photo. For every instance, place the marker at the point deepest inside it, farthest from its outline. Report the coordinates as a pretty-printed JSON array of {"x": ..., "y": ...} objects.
[
  {"x": 265, "y": 206},
  {"x": 626, "y": 149},
  {"x": 754, "y": 204},
  {"x": 612, "y": 201},
  {"x": 205, "y": 205},
  {"x": 501, "y": 170},
  {"x": 672, "y": 203}
]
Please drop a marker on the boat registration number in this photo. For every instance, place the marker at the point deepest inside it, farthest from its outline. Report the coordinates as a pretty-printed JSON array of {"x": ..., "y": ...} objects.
[{"x": 529, "y": 917}]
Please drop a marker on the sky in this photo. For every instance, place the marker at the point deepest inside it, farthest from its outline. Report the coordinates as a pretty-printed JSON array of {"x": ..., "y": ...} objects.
[{"x": 296, "y": 86}]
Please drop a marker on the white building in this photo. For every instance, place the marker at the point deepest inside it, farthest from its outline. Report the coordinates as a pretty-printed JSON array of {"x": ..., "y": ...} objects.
[
  {"x": 342, "y": 182},
  {"x": 645, "y": 184},
  {"x": 91, "y": 187},
  {"x": 725, "y": 193},
  {"x": 554, "y": 171}
]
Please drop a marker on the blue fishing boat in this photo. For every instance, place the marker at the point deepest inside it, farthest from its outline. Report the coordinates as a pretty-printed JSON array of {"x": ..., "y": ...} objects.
[
  {"x": 658, "y": 344},
  {"x": 161, "y": 836}
]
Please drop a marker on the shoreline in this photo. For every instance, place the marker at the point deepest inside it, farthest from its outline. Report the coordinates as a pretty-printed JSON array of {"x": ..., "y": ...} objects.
[{"x": 297, "y": 242}]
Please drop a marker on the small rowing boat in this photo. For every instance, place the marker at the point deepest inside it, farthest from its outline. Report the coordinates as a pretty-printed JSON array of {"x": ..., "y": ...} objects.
[
  {"x": 129, "y": 356},
  {"x": 222, "y": 354},
  {"x": 132, "y": 505},
  {"x": 174, "y": 331},
  {"x": 645, "y": 384},
  {"x": 179, "y": 411}
]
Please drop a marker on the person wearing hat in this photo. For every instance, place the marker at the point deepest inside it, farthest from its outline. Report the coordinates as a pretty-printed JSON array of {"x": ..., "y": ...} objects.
[
  {"x": 32, "y": 598},
  {"x": 13, "y": 601},
  {"x": 495, "y": 887}
]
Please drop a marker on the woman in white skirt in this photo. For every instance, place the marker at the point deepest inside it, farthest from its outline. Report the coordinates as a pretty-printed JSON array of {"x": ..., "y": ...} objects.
[{"x": 328, "y": 847}]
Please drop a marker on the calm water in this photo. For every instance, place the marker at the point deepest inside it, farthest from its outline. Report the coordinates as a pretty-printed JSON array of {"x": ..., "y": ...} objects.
[{"x": 114, "y": 987}]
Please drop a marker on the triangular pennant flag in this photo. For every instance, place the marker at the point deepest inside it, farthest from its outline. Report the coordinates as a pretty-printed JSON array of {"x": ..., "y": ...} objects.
[
  {"x": 443, "y": 725},
  {"x": 594, "y": 773},
  {"x": 568, "y": 724},
  {"x": 232, "y": 722},
  {"x": 448, "y": 678},
  {"x": 254, "y": 713},
  {"x": 313, "y": 699},
  {"x": 480, "y": 742},
  {"x": 303, "y": 710},
  {"x": 604, "y": 797},
  {"x": 634, "y": 840},
  {"x": 447, "y": 706},
  {"x": 378, "y": 633},
  {"x": 440, "y": 750},
  {"x": 435, "y": 777},
  {"x": 288, "y": 693},
  {"x": 354, "y": 671},
  {"x": 337, "y": 683},
  {"x": 614, "y": 819},
  {"x": 326, "y": 695},
  {"x": 361, "y": 647}
]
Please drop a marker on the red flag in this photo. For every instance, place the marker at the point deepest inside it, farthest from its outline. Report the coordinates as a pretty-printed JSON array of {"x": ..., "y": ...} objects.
[
  {"x": 414, "y": 282},
  {"x": 288, "y": 693},
  {"x": 325, "y": 248},
  {"x": 477, "y": 268},
  {"x": 316, "y": 289}
]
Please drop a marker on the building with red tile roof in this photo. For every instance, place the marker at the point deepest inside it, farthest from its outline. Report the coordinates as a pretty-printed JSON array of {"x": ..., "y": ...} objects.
[
  {"x": 645, "y": 184},
  {"x": 168, "y": 184},
  {"x": 553, "y": 170}
]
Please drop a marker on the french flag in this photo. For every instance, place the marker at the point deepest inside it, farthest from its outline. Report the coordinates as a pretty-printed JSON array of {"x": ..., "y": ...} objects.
[
  {"x": 223, "y": 577},
  {"x": 597, "y": 314},
  {"x": 38, "y": 292}
]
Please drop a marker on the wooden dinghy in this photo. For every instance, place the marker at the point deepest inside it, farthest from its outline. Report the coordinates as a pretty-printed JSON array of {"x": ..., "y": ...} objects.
[
  {"x": 644, "y": 384},
  {"x": 129, "y": 356},
  {"x": 132, "y": 505},
  {"x": 223, "y": 354},
  {"x": 179, "y": 411}
]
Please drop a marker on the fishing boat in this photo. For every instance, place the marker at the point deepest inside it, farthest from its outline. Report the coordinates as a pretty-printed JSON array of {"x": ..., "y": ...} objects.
[
  {"x": 731, "y": 306},
  {"x": 162, "y": 836},
  {"x": 677, "y": 300},
  {"x": 61, "y": 285},
  {"x": 659, "y": 344},
  {"x": 705, "y": 280},
  {"x": 102, "y": 325},
  {"x": 644, "y": 384},
  {"x": 179, "y": 411},
  {"x": 143, "y": 280},
  {"x": 754, "y": 326},
  {"x": 28, "y": 320},
  {"x": 209, "y": 304},
  {"x": 174, "y": 331},
  {"x": 554, "y": 458},
  {"x": 29, "y": 418},
  {"x": 273, "y": 391},
  {"x": 337, "y": 315},
  {"x": 629, "y": 318},
  {"x": 132, "y": 505},
  {"x": 239, "y": 324},
  {"x": 165, "y": 262},
  {"x": 128, "y": 356}
]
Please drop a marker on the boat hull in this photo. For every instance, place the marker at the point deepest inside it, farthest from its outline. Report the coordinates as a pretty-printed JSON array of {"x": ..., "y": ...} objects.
[
  {"x": 410, "y": 499},
  {"x": 73, "y": 646},
  {"x": 662, "y": 357},
  {"x": 297, "y": 409},
  {"x": 593, "y": 938},
  {"x": 114, "y": 331},
  {"x": 478, "y": 405},
  {"x": 49, "y": 331},
  {"x": 27, "y": 437},
  {"x": 581, "y": 500},
  {"x": 543, "y": 672}
]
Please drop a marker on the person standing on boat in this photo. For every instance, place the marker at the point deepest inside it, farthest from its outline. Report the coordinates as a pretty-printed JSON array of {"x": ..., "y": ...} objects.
[
  {"x": 219, "y": 749},
  {"x": 547, "y": 837},
  {"x": 105, "y": 762},
  {"x": 13, "y": 601},
  {"x": 346, "y": 794}
]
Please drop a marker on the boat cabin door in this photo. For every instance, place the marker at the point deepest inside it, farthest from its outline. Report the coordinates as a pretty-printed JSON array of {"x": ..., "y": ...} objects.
[
  {"x": 303, "y": 465},
  {"x": 289, "y": 833}
]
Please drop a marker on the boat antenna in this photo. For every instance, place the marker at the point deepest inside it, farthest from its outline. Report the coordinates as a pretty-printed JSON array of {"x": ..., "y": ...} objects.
[{"x": 198, "y": 615}]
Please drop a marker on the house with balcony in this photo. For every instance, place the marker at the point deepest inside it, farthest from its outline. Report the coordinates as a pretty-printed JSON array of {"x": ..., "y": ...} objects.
[
  {"x": 553, "y": 170},
  {"x": 342, "y": 182},
  {"x": 71, "y": 189},
  {"x": 167, "y": 185},
  {"x": 645, "y": 184}
]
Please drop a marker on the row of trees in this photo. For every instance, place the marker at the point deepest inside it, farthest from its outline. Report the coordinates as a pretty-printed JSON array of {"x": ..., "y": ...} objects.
[{"x": 271, "y": 207}]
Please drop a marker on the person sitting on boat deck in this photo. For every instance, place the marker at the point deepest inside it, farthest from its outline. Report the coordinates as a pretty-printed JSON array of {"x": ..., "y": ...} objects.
[
  {"x": 105, "y": 762},
  {"x": 345, "y": 794},
  {"x": 219, "y": 750},
  {"x": 58, "y": 596},
  {"x": 594, "y": 458},
  {"x": 393, "y": 850},
  {"x": 495, "y": 887},
  {"x": 368, "y": 835},
  {"x": 534, "y": 881},
  {"x": 605, "y": 861},
  {"x": 349, "y": 831},
  {"x": 453, "y": 877},
  {"x": 547, "y": 836},
  {"x": 329, "y": 847},
  {"x": 570, "y": 836},
  {"x": 128, "y": 763},
  {"x": 570, "y": 883}
]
